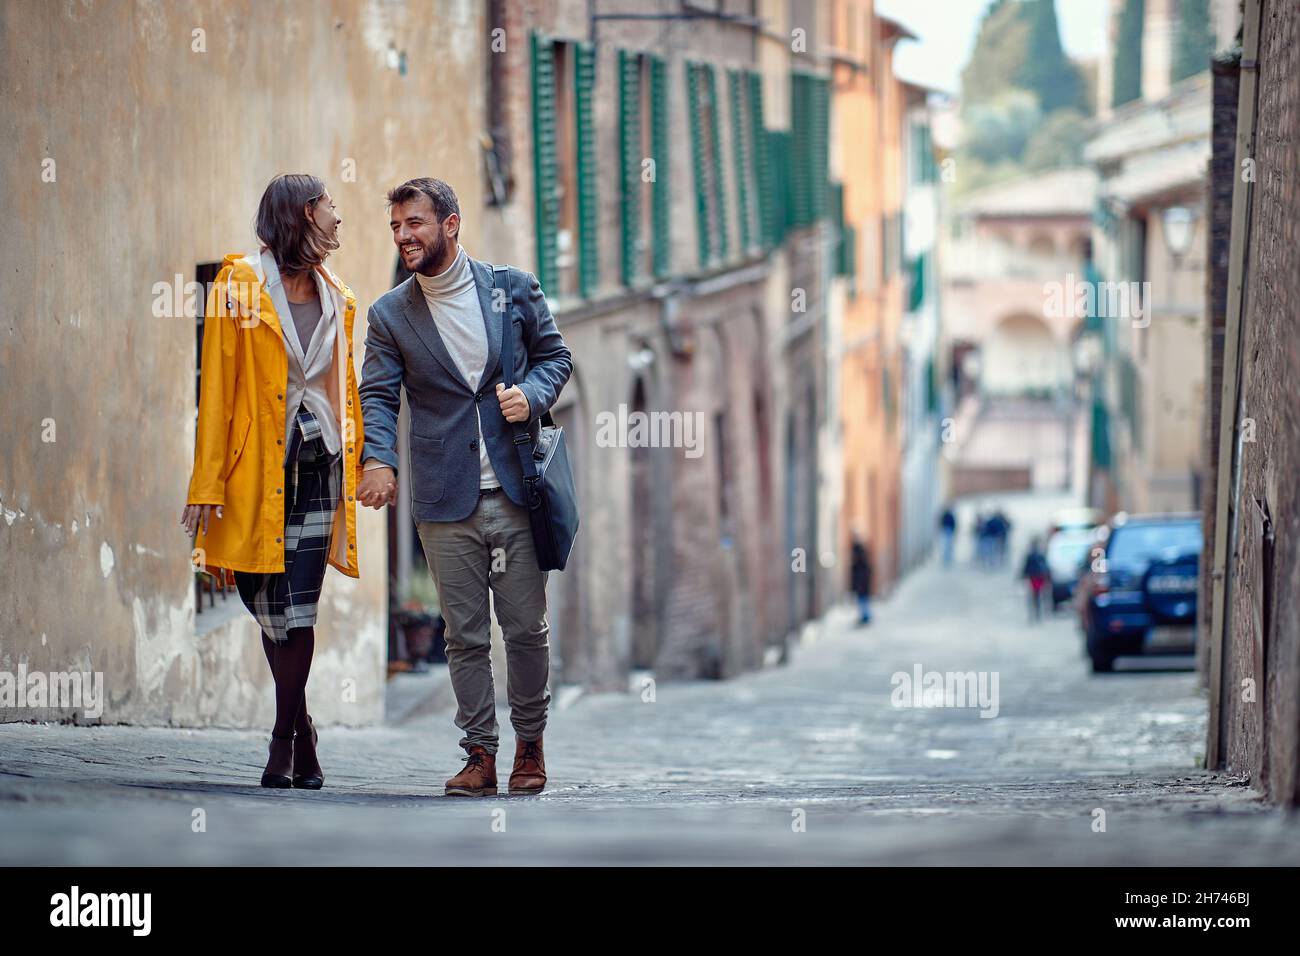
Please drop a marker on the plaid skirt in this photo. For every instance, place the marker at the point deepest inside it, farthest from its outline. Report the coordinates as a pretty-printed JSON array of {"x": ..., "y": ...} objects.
[{"x": 313, "y": 479}]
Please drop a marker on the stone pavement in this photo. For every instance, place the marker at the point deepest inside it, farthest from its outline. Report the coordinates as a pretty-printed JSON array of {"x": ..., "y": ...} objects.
[{"x": 720, "y": 772}]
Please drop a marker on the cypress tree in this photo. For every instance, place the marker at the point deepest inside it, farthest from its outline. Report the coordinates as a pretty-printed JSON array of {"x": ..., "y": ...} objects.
[
  {"x": 1045, "y": 69},
  {"x": 1128, "y": 54}
]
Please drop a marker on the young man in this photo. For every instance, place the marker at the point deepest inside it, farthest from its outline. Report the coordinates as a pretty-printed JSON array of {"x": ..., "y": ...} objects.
[{"x": 439, "y": 335}]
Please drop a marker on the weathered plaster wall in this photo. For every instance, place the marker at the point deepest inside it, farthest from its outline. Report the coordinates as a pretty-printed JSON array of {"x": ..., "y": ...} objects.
[{"x": 160, "y": 154}]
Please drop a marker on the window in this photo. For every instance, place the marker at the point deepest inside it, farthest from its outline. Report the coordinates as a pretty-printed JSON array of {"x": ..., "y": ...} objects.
[
  {"x": 706, "y": 157},
  {"x": 724, "y": 476},
  {"x": 743, "y": 143},
  {"x": 643, "y": 135},
  {"x": 564, "y": 165},
  {"x": 498, "y": 165},
  {"x": 923, "y": 166},
  {"x": 845, "y": 240},
  {"x": 205, "y": 273}
]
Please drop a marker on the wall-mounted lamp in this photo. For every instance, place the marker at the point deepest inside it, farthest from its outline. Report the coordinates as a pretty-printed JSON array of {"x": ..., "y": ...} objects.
[{"x": 1179, "y": 222}]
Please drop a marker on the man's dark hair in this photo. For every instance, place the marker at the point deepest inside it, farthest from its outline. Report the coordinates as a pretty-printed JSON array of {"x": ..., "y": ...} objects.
[
  {"x": 440, "y": 194},
  {"x": 283, "y": 227}
]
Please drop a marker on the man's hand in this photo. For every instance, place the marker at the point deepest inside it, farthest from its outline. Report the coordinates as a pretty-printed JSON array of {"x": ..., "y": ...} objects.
[
  {"x": 194, "y": 515},
  {"x": 378, "y": 487},
  {"x": 514, "y": 404}
]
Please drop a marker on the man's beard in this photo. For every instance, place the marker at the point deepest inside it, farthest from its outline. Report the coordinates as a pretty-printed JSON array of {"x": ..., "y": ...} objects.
[{"x": 431, "y": 256}]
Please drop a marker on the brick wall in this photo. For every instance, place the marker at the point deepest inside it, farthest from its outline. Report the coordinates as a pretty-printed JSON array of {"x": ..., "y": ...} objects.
[
  {"x": 1218, "y": 205},
  {"x": 1262, "y": 738}
]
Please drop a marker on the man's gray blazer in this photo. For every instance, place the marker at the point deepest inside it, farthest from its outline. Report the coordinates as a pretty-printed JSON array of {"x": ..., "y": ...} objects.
[{"x": 403, "y": 348}]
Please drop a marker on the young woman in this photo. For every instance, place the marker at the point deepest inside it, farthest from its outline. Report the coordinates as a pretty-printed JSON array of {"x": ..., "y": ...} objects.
[{"x": 278, "y": 445}]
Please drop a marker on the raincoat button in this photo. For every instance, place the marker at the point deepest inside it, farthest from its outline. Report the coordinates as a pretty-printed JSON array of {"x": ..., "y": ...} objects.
[
  {"x": 279, "y": 491},
  {"x": 279, "y": 396},
  {"x": 349, "y": 497},
  {"x": 277, "y": 540}
]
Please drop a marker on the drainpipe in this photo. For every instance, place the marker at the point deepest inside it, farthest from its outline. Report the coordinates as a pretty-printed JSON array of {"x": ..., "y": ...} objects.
[{"x": 1227, "y": 491}]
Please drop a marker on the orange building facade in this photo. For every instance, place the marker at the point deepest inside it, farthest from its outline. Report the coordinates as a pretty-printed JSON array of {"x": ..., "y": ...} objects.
[{"x": 868, "y": 107}]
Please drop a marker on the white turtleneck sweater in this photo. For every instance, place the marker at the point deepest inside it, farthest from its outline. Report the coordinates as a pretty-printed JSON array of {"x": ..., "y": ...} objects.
[{"x": 454, "y": 305}]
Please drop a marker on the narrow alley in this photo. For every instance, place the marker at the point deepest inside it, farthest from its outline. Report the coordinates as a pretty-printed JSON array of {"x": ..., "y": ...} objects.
[{"x": 809, "y": 762}]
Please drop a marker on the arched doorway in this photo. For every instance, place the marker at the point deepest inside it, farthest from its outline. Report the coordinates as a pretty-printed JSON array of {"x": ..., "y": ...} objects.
[
  {"x": 1023, "y": 358},
  {"x": 645, "y": 607}
]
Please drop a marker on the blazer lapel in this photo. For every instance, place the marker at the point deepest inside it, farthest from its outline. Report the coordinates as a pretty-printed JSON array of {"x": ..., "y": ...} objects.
[
  {"x": 421, "y": 321},
  {"x": 492, "y": 318}
]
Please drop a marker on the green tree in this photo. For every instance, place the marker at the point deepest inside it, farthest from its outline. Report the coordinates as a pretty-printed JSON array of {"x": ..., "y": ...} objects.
[
  {"x": 999, "y": 128},
  {"x": 1019, "y": 47},
  {"x": 999, "y": 52},
  {"x": 1045, "y": 69},
  {"x": 1057, "y": 142},
  {"x": 1127, "y": 84},
  {"x": 1193, "y": 40}
]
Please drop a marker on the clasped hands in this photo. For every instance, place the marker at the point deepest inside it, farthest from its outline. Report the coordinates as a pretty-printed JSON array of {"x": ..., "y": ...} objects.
[{"x": 378, "y": 486}]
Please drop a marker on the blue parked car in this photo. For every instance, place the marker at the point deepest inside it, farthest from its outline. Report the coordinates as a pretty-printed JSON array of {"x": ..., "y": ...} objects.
[{"x": 1138, "y": 595}]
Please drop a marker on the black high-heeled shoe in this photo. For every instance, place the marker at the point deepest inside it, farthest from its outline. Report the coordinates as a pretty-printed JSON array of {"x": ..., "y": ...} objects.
[
  {"x": 279, "y": 764},
  {"x": 312, "y": 777}
]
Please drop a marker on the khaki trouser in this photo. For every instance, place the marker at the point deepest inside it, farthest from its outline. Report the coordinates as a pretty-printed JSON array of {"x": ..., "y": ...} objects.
[{"x": 492, "y": 548}]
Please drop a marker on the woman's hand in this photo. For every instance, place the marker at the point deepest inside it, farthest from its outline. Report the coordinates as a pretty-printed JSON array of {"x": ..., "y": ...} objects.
[
  {"x": 378, "y": 487},
  {"x": 193, "y": 514}
]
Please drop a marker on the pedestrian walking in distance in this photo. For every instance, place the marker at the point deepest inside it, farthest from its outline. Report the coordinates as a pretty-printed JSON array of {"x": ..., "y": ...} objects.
[
  {"x": 947, "y": 532},
  {"x": 276, "y": 453},
  {"x": 1037, "y": 575},
  {"x": 439, "y": 335},
  {"x": 860, "y": 580}
]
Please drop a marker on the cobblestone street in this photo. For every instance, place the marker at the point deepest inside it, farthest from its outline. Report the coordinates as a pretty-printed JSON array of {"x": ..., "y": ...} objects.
[{"x": 708, "y": 772}]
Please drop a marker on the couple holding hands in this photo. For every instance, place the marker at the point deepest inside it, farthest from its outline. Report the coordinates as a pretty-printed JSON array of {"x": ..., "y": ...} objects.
[{"x": 287, "y": 443}]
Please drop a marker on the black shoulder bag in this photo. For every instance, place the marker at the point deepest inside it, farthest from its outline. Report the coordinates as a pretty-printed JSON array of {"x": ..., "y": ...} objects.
[{"x": 549, "y": 493}]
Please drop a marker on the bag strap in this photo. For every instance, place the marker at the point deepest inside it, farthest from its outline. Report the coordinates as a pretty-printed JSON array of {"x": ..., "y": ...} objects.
[{"x": 523, "y": 440}]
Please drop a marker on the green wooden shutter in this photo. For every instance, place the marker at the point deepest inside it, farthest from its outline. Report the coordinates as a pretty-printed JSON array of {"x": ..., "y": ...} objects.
[
  {"x": 588, "y": 248},
  {"x": 760, "y": 150},
  {"x": 916, "y": 291},
  {"x": 781, "y": 152},
  {"x": 719, "y": 188},
  {"x": 837, "y": 221},
  {"x": 545, "y": 180},
  {"x": 697, "y": 162},
  {"x": 821, "y": 102},
  {"x": 799, "y": 141},
  {"x": 629, "y": 147},
  {"x": 740, "y": 150},
  {"x": 846, "y": 250},
  {"x": 659, "y": 150}
]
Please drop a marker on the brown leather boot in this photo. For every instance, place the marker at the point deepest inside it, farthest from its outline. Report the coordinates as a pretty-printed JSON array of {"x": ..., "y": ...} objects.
[
  {"x": 478, "y": 778},
  {"x": 529, "y": 773}
]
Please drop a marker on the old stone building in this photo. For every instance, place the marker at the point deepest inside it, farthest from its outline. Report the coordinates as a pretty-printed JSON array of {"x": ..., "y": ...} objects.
[
  {"x": 1254, "y": 622},
  {"x": 659, "y": 168},
  {"x": 869, "y": 105}
]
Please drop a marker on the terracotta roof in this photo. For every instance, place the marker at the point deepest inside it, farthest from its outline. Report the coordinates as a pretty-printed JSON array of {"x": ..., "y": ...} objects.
[{"x": 892, "y": 29}]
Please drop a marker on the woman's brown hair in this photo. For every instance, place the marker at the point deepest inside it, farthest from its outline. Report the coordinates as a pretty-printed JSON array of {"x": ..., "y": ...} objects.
[{"x": 282, "y": 224}]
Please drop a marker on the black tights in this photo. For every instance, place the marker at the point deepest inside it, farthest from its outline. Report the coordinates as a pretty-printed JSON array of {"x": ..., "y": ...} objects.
[{"x": 290, "y": 664}]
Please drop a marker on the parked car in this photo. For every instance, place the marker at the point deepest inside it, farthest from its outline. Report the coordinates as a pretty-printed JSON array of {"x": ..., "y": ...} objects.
[
  {"x": 1067, "y": 558},
  {"x": 1138, "y": 595}
]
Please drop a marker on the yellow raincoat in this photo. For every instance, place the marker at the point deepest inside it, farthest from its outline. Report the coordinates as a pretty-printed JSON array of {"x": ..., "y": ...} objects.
[{"x": 239, "y": 445}]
